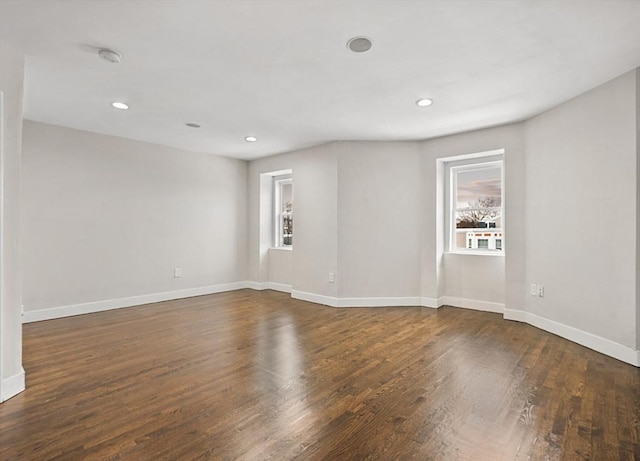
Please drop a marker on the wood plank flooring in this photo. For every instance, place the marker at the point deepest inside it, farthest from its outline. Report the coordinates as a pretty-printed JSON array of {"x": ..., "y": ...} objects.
[{"x": 254, "y": 375}]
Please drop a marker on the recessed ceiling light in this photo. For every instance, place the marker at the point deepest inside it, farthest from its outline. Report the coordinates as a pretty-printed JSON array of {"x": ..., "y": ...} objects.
[
  {"x": 120, "y": 105},
  {"x": 424, "y": 102},
  {"x": 109, "y": 55},
  {"x": 192, "y": 125},
  {"x": 359, "y": 44},
  {"x": 250, "y": 138}
]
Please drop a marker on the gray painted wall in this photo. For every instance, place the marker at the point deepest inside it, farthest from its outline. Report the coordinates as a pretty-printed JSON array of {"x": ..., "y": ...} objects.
[
  {"x": 379, "y": 210},
  {"x": 11, "y": 85},
  {"x": 314, "y": 252},
  {"x": 493, "y": 279},
  {"x": 581, "y": 207},
  {"x": 107, "y": 218}
]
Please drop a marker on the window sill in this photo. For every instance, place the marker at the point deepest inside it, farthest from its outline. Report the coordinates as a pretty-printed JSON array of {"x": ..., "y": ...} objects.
[
  {"x": 475, "y": 253},
  {"x": 282, "y": 248}
]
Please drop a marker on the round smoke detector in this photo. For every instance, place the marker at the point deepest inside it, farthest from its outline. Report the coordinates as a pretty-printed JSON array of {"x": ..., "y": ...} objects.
[
  {"x": 109, "y": 55},
  {"x": 359, "y": 44}
]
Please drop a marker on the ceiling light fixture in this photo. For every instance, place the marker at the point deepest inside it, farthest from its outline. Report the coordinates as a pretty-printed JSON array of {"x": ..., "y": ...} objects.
[
  {"x": 424, "y": 102},
  {"x": 250, "y": 138},
  {"x": 359, "y": 44},
  {"x": 120, "y": 105},
  {"x": 109, "y": 55},
  {"x": 192, "y": 125}
]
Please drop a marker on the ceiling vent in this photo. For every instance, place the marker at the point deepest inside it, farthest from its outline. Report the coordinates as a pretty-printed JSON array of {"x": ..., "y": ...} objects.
[{"x": 359, "y": 44}]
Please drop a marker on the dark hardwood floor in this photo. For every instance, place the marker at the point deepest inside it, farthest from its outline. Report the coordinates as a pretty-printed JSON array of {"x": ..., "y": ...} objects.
[{"x": 258, "y": 376}]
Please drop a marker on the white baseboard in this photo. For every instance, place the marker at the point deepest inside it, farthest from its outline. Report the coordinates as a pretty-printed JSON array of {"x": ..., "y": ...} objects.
[
  {"x": 485, "y": 306},
  {"x": 433, "y": 303},
  {"x": 279, "y": 287},
  {"x": 597, "y": 343},
  {"x": 268, "y": 286},
  {"x": 257, "y": 285},
  {"x": 396, "y": 301},
  {"x": 399, "y": 301},
  {"x": 314, "y": 298},
  {"x": 518, "y": 316},
  {"x": 98, "y": 306},
  {"x": 12, "y": 386}
]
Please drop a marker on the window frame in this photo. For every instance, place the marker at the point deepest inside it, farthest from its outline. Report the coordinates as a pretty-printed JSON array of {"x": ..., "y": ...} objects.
[{"x": 474, "y": 162}]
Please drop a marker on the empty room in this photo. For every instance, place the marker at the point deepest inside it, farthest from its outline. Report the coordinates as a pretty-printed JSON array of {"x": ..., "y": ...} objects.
[{"x": 319, "y": 230}]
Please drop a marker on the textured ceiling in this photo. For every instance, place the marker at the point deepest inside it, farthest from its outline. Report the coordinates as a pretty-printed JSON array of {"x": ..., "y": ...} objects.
[{"x": 280, "y": 70}]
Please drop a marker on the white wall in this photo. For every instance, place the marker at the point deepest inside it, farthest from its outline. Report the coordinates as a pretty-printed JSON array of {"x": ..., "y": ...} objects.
[
  {"x": 11, "y": 85},
  {"x": 381, "y": 214},
  {"x": 638, "y": 214},
  {"x": 473, "y": 280},
  {"x": 379, "y": 209},
  {"x": 314, "y": 252},
  {"x": 581, "y": 210},
  {"x": 280, "y": 261},
  {"x": 106, "y": 218},
  {"x": 494, "y": 280}
]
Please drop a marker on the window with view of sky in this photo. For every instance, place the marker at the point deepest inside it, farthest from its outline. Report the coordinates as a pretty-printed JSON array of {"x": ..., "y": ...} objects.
[{"x": 477, "y": 206}]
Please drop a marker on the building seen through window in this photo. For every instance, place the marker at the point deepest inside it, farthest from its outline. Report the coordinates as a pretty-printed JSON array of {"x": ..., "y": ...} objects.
[{"x": 283, "y": 188}]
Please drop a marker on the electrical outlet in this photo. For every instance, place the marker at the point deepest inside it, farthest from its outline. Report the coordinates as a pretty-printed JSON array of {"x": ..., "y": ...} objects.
[
  {"x": 177, "y": 273},
  {"x": 534, "y": 289},
  {"x": 331, "y": 277},
  {"x": 540, "y": 291}
]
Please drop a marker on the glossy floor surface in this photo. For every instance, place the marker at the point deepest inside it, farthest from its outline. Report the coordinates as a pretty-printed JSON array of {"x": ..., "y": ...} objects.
[{"x": 258, "y": 376}]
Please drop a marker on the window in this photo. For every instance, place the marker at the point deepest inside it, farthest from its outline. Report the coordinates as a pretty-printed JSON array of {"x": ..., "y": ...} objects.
[
  {"x": 476, "y": 205},
  {"x": 283, "y": 216}
]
